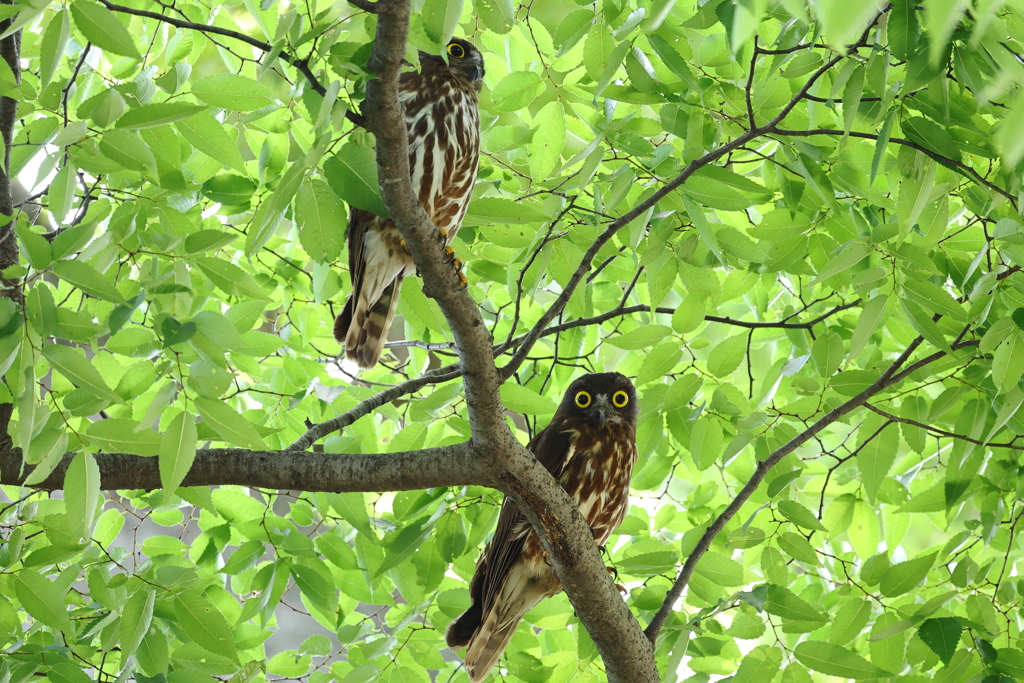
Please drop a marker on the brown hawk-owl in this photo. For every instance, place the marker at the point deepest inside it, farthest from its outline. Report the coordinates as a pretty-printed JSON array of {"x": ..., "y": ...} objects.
[
  {"x": 443, "y": 120},
  {"x": 590, "y": 448}
]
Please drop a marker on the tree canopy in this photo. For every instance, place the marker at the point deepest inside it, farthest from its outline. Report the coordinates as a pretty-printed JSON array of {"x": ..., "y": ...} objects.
[{"x": 797, "y": 227}]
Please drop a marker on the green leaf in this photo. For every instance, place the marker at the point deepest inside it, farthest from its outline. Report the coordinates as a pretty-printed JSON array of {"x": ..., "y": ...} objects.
[
  {"x": 206, "y": 240},
  {"x": 925, "y": 326},
  {"x": 1010, "y": 661},
  {"x": 700, "y": 222},
  {"x": 931, "y": 136},
  {"x": 42, "y": 599},
  {"x": 524, "y": 400},
  {"x": 759, "y": 665},
  {"x": 720, "y": 569},
  {"x": 128, "y": 150},
  {"x": 903, "y": 29},
  {"x": 352, "y": 508},
  {"x": 102, "y": 28},
  {"x": 799, "y": 515},
  {"x": 204, "y": 624},
  {"x": 401, "y": 545},
  {"x": 497, "y": 15},
  {"x": 177, "y": 450},
  {"x": 316, "y": 586},
  {"x": 352, "y": 174},
  {"x": 232, "y": 91},
  {"x": 230, "y": 278},
  {"x": 942, "y": 635},
  {"x": 88, "y": 279},
  {"x": 659, "y": 362},
  {"x": 827, "y": 353},
  {"x": 640, "y": 338},
  {"x": 268, "y": 216},
  {"x": 232, "y": 427},
  {"x": 706, "y": 442},
  {"x": 441, "y": 19},
  {"x": 877, "y": 456},
  {"x": 73, "y": 364},
  {"x": 1008, "y": 362},
  {"x": 871, "y": 316},
  {"x": 246, "y": 557},
  {"x": 647, "y": 564},
  {"x": 904, "y": 577},
  {"x": 850, "y": 255},
  {"x": 852, "y": 382},
  {"x": 320, "y": 214},
  {"x": 941, "y": 17},
  {"x": 726, "y": 356},
  {"x": 82, "y": 493},
  {"x": 62, "y": 191},
  {"x": 152, "y": 115},
  {"x": 51, "y": 47},
  {"x": 735, "y": 243},
  {"x": 135, "y": 620},
  {"x": 849, "y": 621},
  {"x": 834, "y": 660},
  {"x": 516, "y": 90},
  {"x": 501, "y": 210},
  {"x": 205, "y": 133},
  {"x": 35, "y": 247},
  {"x": 546, "y": 147},
  {"x": 781, "y": 602},
  {"x": 797, "y": 547},
  {"x": 121, "y": 435}
]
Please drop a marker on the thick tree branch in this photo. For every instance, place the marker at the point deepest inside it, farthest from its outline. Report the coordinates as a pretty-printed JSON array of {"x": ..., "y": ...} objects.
[
  {"x": 430, "y": 467},
  {"x": 10, "y": 51},
  {"x": 626, "y": 653}
]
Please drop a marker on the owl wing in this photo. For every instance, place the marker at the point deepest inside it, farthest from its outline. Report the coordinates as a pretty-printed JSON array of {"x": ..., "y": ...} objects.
[{"x": 552, "y": 448}]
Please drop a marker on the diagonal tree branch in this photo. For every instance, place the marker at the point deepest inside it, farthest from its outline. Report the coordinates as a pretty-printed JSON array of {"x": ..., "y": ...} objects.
[{"x": 890, "y": 377}]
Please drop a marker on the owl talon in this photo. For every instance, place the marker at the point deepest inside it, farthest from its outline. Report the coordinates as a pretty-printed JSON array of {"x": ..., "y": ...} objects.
[
  {"x": 450, "y": 253},
  {"x": 405, "y": 248},
  {"x": 547, "y": 560},
  {"x": 444, "y": 238}
]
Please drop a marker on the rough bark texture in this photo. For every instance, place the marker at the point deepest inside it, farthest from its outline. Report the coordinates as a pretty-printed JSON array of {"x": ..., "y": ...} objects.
[
  {"x": 10, "y": 50},
  {"x": 627, "y": 654},
  {"x": 445, "y": 466}
]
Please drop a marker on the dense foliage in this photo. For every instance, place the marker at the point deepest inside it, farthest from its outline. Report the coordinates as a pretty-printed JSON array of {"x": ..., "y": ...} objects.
[{"x": 837, "y": 282}]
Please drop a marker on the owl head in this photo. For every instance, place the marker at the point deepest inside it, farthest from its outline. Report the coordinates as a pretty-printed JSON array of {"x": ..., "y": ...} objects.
[
  {"x": 465, "y": 60},
  {"x": 602, "y": 398}
]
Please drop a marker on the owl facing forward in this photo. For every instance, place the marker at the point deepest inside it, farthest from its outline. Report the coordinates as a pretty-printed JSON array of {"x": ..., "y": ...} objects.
[
  {"x": 590, "y": 448},
  {"x": 443, "y": 122}
]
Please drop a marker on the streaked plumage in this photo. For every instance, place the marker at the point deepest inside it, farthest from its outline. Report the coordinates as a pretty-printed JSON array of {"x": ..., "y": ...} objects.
[
  {"x": 442, "y": 116},
  {"x": 590, "y": 448}
]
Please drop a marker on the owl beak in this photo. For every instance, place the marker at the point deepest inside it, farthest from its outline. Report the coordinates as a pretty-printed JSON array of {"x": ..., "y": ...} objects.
[
  {"x": 601, "y": 409},
  {"x": 474, "y": 74}
]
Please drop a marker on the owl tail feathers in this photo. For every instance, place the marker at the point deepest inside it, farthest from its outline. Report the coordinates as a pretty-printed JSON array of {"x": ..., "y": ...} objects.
[
  {"x": 363, "y": 326},
  {"x": 486, "y": 646}
]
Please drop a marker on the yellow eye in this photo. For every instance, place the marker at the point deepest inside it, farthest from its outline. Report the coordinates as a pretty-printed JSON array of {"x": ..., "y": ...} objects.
[
  {"x": 620, "y": 399},
  {"x": 455, "y": 50},
  {"x": 582, "y": 399}
]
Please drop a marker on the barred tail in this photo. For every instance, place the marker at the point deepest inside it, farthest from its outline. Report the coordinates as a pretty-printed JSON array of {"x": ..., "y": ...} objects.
[
  {"x": 486, "y": 646},
  {"x": 364, "y": 325}
]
